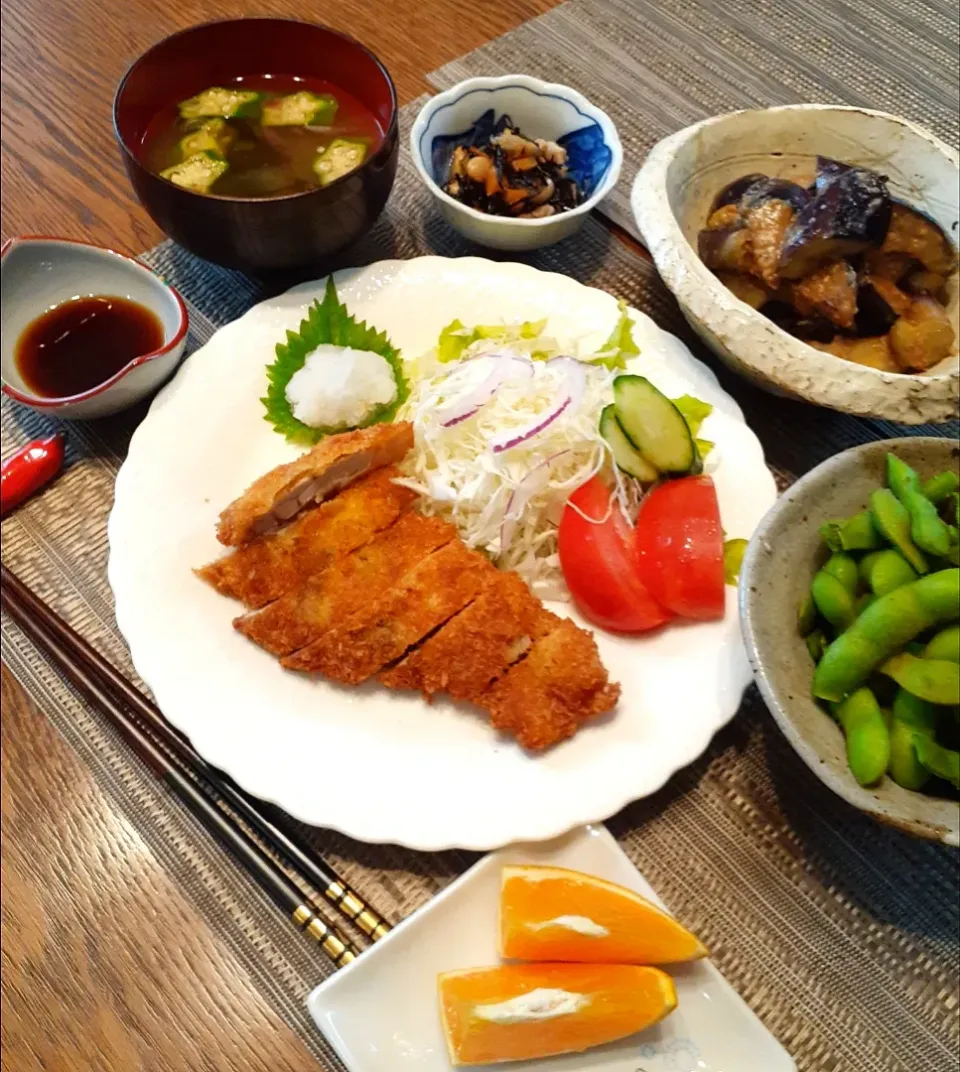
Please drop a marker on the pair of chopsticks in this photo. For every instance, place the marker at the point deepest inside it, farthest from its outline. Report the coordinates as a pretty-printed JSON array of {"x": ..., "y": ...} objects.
[{"x": 196, "y": 783}]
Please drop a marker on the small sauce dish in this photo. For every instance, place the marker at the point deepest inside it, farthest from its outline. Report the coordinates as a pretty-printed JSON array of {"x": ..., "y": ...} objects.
[{"x": 38, "y": 274}]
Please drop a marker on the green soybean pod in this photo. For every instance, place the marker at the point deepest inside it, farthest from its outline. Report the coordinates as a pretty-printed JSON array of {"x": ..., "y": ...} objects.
[
  {"x": 806, "y": 615},
  {"x": 863, "y": 601},
  {"x": 844, "y": 568},
  {"x": 927, "y": 530},
  {"x": 941, "y": 486},
  {"x": 943, "y": 762},
  {"x": 885, "y": 628},
  {"x": 905, "y": 768},
  {"x": 833, "y": 600},
  {"x": 856, "y": 533},
  {"x": 867, "y": 736},
  {"x": 816, "y": 644},
  {"x": 935, "y": 680},
  {"x": 893, "y": 522},
  {"x": 945, "y": 645},
  {"x": 886, "y": 571}
]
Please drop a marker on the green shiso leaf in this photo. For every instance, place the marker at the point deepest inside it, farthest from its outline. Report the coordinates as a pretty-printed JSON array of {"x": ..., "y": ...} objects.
[{"x": 327, "y": 322}]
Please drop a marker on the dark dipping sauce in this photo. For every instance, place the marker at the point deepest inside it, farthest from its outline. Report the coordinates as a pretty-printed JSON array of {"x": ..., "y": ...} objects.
[{"x": 83, "y": 342}]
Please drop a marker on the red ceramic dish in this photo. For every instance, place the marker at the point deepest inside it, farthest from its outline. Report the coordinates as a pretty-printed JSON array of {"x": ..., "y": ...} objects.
[{"x": 262, "y": 234}]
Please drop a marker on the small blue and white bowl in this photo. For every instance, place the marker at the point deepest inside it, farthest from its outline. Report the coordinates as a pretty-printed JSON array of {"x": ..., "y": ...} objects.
[{"x": 540, "y": 110}]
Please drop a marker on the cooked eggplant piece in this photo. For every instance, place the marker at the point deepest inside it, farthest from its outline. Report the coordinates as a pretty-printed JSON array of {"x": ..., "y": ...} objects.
[
  {"x": 923, "y": 282},
  {"x": 733, "y": 191},
  {"x": 879, "y": 302},
  {"x": 827, "y": 170},
  {"x": 923, "y": 336},
  {"x": 917, "y": 236},
  {"x": 875, "y": 352},
  {"x": 768, "y": 222},
  {"x": 849, "y": 215},
  {"x": 829, "y": 292},
  {"x": 727, "y": 250},
  {"x": 892, "y": 266},
  {"x": 766, "y": 189},
  {"x": 724, "y": 218},
  {"x": 744, "y": 287},
  {"x": 785, "y": 316}
]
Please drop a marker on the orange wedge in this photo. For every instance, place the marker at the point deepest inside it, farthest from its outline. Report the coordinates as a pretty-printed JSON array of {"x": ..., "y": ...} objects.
[
  {"x": 520, "y": 1011},
  {"x": 550, "y": 913}
]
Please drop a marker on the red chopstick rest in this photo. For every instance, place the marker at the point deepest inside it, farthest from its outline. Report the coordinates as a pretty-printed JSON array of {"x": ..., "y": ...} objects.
[{"x": 28, "y": 470}]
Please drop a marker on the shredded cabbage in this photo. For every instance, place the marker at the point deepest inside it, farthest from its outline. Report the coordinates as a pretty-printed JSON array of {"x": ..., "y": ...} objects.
[{"x": 461, "y": 477}]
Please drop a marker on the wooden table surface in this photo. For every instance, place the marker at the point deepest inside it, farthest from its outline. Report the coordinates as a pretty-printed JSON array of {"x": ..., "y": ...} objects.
[{"x": 91, "y": 979}]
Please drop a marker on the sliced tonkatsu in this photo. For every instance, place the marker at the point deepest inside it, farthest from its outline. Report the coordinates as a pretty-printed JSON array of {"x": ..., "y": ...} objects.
[
  {"x": 482, "y": 642},
  {"x": 278, "y": 496},
  {"x": 266, "y": 568},
  {"x": 549, "y": 694},
  {"x": 338, "y": 595},
  {"x": 431, "y": 593}
]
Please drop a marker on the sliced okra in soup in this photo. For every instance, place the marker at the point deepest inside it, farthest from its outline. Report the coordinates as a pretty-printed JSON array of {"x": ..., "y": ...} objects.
[
  {"x": 340, "y": 157},
  {"x": 221, "y": 103},
  {"x": 212, "y": 136},
  {"x": 302, "y": 109},
  {"x": 197, "y": 173}
]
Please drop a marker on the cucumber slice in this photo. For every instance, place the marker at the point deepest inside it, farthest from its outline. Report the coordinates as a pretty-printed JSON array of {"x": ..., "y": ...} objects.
[
  {"x": 655, "y": 426},
  {"x": 627, "y": 457}
]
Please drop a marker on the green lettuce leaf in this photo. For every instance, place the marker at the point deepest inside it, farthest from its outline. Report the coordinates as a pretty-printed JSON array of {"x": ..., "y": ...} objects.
[
  {"x": 455, "y": 338},
  {"x": 326, "y": 322},
  {"x": 732, "y": 559},
  {"x": 695, "y": 412},
  {"x": 620, "y": 345}
]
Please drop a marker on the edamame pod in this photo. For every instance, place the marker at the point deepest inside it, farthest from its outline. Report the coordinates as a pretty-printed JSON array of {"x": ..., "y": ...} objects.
[
  {"x": 905, "y": 768},
  {"x": 844, "y": 568},
  {"x": 943, "y": 762},
  {"x": 867, "y": 736},
  {"x": 938, "y": 487},
  {"x": 935, "y": 680},
  {"x": 816, "y": 644},
  {"x": 856, "y": 533},
  {"x": 927, "y": 531},
  {"x": 806, "y": 615},
  {"x": 893, "y": 522},
  {"x": 883, "y": 629},
  {"x": 945, "y": 645},
  {"x": 886, "y": 571},
  {"x": 833, "y": 600}
]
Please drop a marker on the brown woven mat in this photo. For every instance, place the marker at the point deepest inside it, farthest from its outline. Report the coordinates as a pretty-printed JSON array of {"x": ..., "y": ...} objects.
[
  {"x": 656, "y": 66},
  {"x": 839, "y": 932}
]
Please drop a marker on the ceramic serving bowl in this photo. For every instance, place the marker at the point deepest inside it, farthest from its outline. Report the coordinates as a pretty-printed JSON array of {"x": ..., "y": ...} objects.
[
  {"x": 777, "y": 569},
  {"x": 541, "y": 110},
  {"x": 37, "y": 273},
  {"x": 671, "y": 198},
  {"x": 258, "y": 234}
]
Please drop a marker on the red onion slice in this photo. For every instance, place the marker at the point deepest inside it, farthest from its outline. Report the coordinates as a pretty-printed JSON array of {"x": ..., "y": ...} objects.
[
  {"x": 533, "y": 483},
  {"x": 507, "y": 365},
  {"x": 574, "y": 384}
]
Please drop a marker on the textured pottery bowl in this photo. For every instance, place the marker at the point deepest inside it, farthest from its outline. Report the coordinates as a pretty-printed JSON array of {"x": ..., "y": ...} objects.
[
  {"x": 37, "y": 273},
  {"x": 540, "y": 110},
  {"x": 777, "y": 569},
  {"x": 671, "y": 198},
  {"x": 258, "y": 234}
]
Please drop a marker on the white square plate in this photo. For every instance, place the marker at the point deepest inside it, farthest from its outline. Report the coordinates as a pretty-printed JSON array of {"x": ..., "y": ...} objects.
[{"x": 380, "y": 1013}]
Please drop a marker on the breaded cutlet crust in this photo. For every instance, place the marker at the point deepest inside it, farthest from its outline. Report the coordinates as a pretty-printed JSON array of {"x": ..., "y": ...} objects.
[
  {"x": 275, "y": 498},
  {"x": 266, "y": 568}
]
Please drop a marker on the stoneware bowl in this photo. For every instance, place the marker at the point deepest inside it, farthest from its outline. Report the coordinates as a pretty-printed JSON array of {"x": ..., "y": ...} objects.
[
  {"x": 777, "y": 570},
  {"x": 258, "y": 234},
  {"x": 37, "y": 273},
  {"x": 670, "y": 200},
  {"x": 541, "y": 110}
]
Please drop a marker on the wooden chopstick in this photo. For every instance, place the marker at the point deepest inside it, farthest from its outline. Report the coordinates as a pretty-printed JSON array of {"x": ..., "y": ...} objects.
[{"x": 110, "y": 692}]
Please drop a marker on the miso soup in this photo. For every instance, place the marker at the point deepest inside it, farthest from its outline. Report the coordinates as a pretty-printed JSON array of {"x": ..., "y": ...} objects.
[{"x": 263, "y": 136}]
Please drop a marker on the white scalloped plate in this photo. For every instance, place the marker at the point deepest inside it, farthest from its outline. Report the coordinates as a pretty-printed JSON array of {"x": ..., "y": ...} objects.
[{"x": 377, "y": 765}]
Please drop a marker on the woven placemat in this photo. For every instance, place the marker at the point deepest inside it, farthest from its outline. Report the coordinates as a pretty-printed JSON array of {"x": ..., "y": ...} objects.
[
  {"x": 656, "y": 67},
  {"x": 840, "y": 933}
]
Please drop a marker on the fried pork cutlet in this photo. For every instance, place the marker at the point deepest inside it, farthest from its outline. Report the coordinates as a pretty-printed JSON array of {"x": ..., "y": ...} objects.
[
  {"x": 265, "y": 568},
  {"x": 479, "y": 644},
  {"x": 351, "y": 587},
  {"x": 549, "y": 694},
  {"x": 425, "y": 598},
  {"x": 278, "y": 496}
]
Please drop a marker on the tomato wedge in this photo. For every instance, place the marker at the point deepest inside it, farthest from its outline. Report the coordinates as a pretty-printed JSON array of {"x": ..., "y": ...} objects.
[
  {"x": 599, "y": 564},
  {"x": 679, "y": 544}
]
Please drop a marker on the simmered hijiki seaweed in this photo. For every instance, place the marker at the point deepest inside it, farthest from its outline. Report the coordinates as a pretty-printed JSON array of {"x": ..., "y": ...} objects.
[
  {"x": 506, "y": 173},
  {"x": 839, "y": 264}
]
